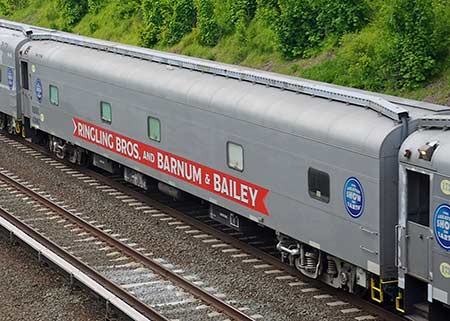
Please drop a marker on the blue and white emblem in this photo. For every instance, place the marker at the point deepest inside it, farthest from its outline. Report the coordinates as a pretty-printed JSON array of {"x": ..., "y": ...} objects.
[
  {"x": 10, "y": 74},
  {"x": 441, "y": 224},
  {"x": 354, "y": 197},
  {"x": 38, "y": 90}
]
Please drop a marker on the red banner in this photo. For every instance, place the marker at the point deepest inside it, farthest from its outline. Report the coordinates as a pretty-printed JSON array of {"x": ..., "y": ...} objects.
[{"x": 224, "y": 185}]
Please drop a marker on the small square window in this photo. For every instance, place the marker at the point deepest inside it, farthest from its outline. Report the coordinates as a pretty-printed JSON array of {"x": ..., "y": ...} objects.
[
  {"x": 106, "y": 112},
  {"x": 154, "y": 129},
  {"x": 54, "y": 95},
  {"x": 235, "y": 154},
  {"x": 319, "y": 185}
]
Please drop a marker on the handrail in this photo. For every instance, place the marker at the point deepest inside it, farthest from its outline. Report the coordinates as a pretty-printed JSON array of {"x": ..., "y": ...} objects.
[{"x": 435, "y": 121}]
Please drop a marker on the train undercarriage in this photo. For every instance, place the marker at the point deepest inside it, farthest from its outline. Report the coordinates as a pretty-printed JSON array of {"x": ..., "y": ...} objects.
[{"x": 306, "y": 258}]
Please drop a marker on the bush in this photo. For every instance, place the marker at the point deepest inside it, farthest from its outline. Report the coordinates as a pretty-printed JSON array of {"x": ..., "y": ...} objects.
[
  {"x": 209, "y": 31},
  {"x": 302, "y": 25},
  {"x": 295, "y": 27},
  {"x": 125, "y": 9},
  {"x": 442, "y": 28},
  {"x": 181, "y": 22},
  {"x": 242, "y": 10},
  {"x": 94, "y": 6},
  {"x": 72, "y": 11},
  {"x": 361, "y": 62},
  {"x": 153, "y": 12},
  {"x": 338, "y": 17},
  {"x": 413, "y": 29},
  {"x": 93, "y": 27},
  {"x": 7, "y": 7}
]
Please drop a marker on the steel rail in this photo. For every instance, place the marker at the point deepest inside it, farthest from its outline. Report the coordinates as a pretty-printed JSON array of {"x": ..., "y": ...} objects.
[
  {"x": 130, "y": 300},
  {"x": 226, "y": 238},
  {"x": 196, "y": 291}
]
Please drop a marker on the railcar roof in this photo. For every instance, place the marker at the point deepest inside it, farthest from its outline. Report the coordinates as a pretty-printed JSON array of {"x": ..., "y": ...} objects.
[
  {"x": 440, "y": 160},
  {"x": 389, "y": 106},
  {"x": 433, "y": 129},
  {"x": 344, "y": 125},
  {"x": 11, "y": 39}
]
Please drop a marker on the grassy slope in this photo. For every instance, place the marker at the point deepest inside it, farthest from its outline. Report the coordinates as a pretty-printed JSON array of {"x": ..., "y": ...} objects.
[{"x": 259, "y": 49}]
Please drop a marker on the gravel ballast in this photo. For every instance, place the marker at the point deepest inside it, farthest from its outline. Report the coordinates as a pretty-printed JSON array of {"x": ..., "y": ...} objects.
[
  {"x": 31, "y": 291},
  {"x": 262, "y": 293}
]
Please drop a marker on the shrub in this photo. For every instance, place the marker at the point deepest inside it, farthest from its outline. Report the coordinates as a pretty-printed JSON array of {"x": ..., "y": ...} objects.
[
  {"x": 181, "y": 22},
  {"x": 242, "y": 10},
  {"x": 209, "y": 31},
  {"x": 302, "y": 25},
  {"x": 340, "y": 16},
  {"x": 412, "y": 26},
  {"x": 295, "y": 27},
  {"x": 94, "y": 6},
  {"x": 153, "y": 12},
  {"x": 442, "y": 27},
  {"x": 72, "y": 11},
  {"x": 125, "y": 9},
  {"x": 7, "y": 7}
]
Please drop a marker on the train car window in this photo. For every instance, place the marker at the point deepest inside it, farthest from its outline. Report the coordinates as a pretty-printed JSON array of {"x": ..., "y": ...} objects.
[
  {"x": 235, "y": 155},
  {"x": 54, "y": 95},
  {"x": 106, "y": 112},
  {"x": 154, "y": 129},
  {"x": 319, "y": 185}
]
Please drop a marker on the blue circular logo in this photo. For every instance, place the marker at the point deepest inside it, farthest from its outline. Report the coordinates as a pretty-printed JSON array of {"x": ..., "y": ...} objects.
[
  {"x": 442, "y": 226},
  {"x": 38, "y": 90},
  {"x": 354, "y": 197},
  {"x": 10, "y": 78}
]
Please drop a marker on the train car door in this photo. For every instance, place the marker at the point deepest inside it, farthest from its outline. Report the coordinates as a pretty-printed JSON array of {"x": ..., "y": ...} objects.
[
  {"x": 25, "y": 93},
  {"x": 418, "y": 232}
]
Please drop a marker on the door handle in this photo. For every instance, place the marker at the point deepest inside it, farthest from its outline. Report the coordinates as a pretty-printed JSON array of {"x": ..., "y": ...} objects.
[
  {"x": 362, "y": 228},
  {"x": 368, "y": 250},
  {"x": 397, "y": 244},
  {"x": 430, "y": 258}
]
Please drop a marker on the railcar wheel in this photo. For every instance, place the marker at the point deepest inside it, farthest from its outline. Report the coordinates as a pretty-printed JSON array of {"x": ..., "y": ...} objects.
[
  {"x": 298, "y": 263},
  {"x": 11, "y": 128},
  {"x": 2, "y": 122}
]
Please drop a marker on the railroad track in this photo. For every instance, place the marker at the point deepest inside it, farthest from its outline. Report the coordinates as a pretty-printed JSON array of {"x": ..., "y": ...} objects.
[
  {"x": 194, "y": 212},
  {"x": 137, "y": 285},
  {"x": 253, "y": 247},
  {"x": 229, "y": 242}
]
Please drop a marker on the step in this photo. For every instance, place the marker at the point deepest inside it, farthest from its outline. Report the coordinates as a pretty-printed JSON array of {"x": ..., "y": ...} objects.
[
  {"x": 415, "y": 317},
  {"x": 419, "y": 312},
  {"x": 421, "y": 308}
]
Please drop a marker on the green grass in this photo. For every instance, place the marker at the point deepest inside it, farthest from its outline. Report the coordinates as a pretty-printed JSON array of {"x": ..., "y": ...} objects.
[
  {"x": 348, "y": 61},
  {"x": 437, "y": 90},
  {"x": 109, "y": 25},
  {"x": 38, "y": 12}
]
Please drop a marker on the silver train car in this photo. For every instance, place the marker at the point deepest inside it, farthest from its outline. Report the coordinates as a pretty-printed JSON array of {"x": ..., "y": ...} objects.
[
  {"x": 423, "y": 230},
  {"x": 317, "y": 164}
]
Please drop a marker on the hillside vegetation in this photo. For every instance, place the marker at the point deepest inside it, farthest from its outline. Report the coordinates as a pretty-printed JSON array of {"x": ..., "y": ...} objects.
[{"x": 394, "y": 46}]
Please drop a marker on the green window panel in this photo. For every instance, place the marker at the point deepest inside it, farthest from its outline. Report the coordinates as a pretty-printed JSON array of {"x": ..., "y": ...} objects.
[
  {"x": 106, "y": 112},
  {"x": 235, "y": 155},
  {"x": 54, "y": 95},
  {"x": 154, "y": 129}
]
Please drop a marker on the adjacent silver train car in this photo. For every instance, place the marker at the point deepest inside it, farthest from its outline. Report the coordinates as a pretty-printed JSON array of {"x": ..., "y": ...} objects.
[
  {"x": 423, "y": 230},
  {"x": 10, "y": 43},
  {"x": 317, "y": 164}
]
